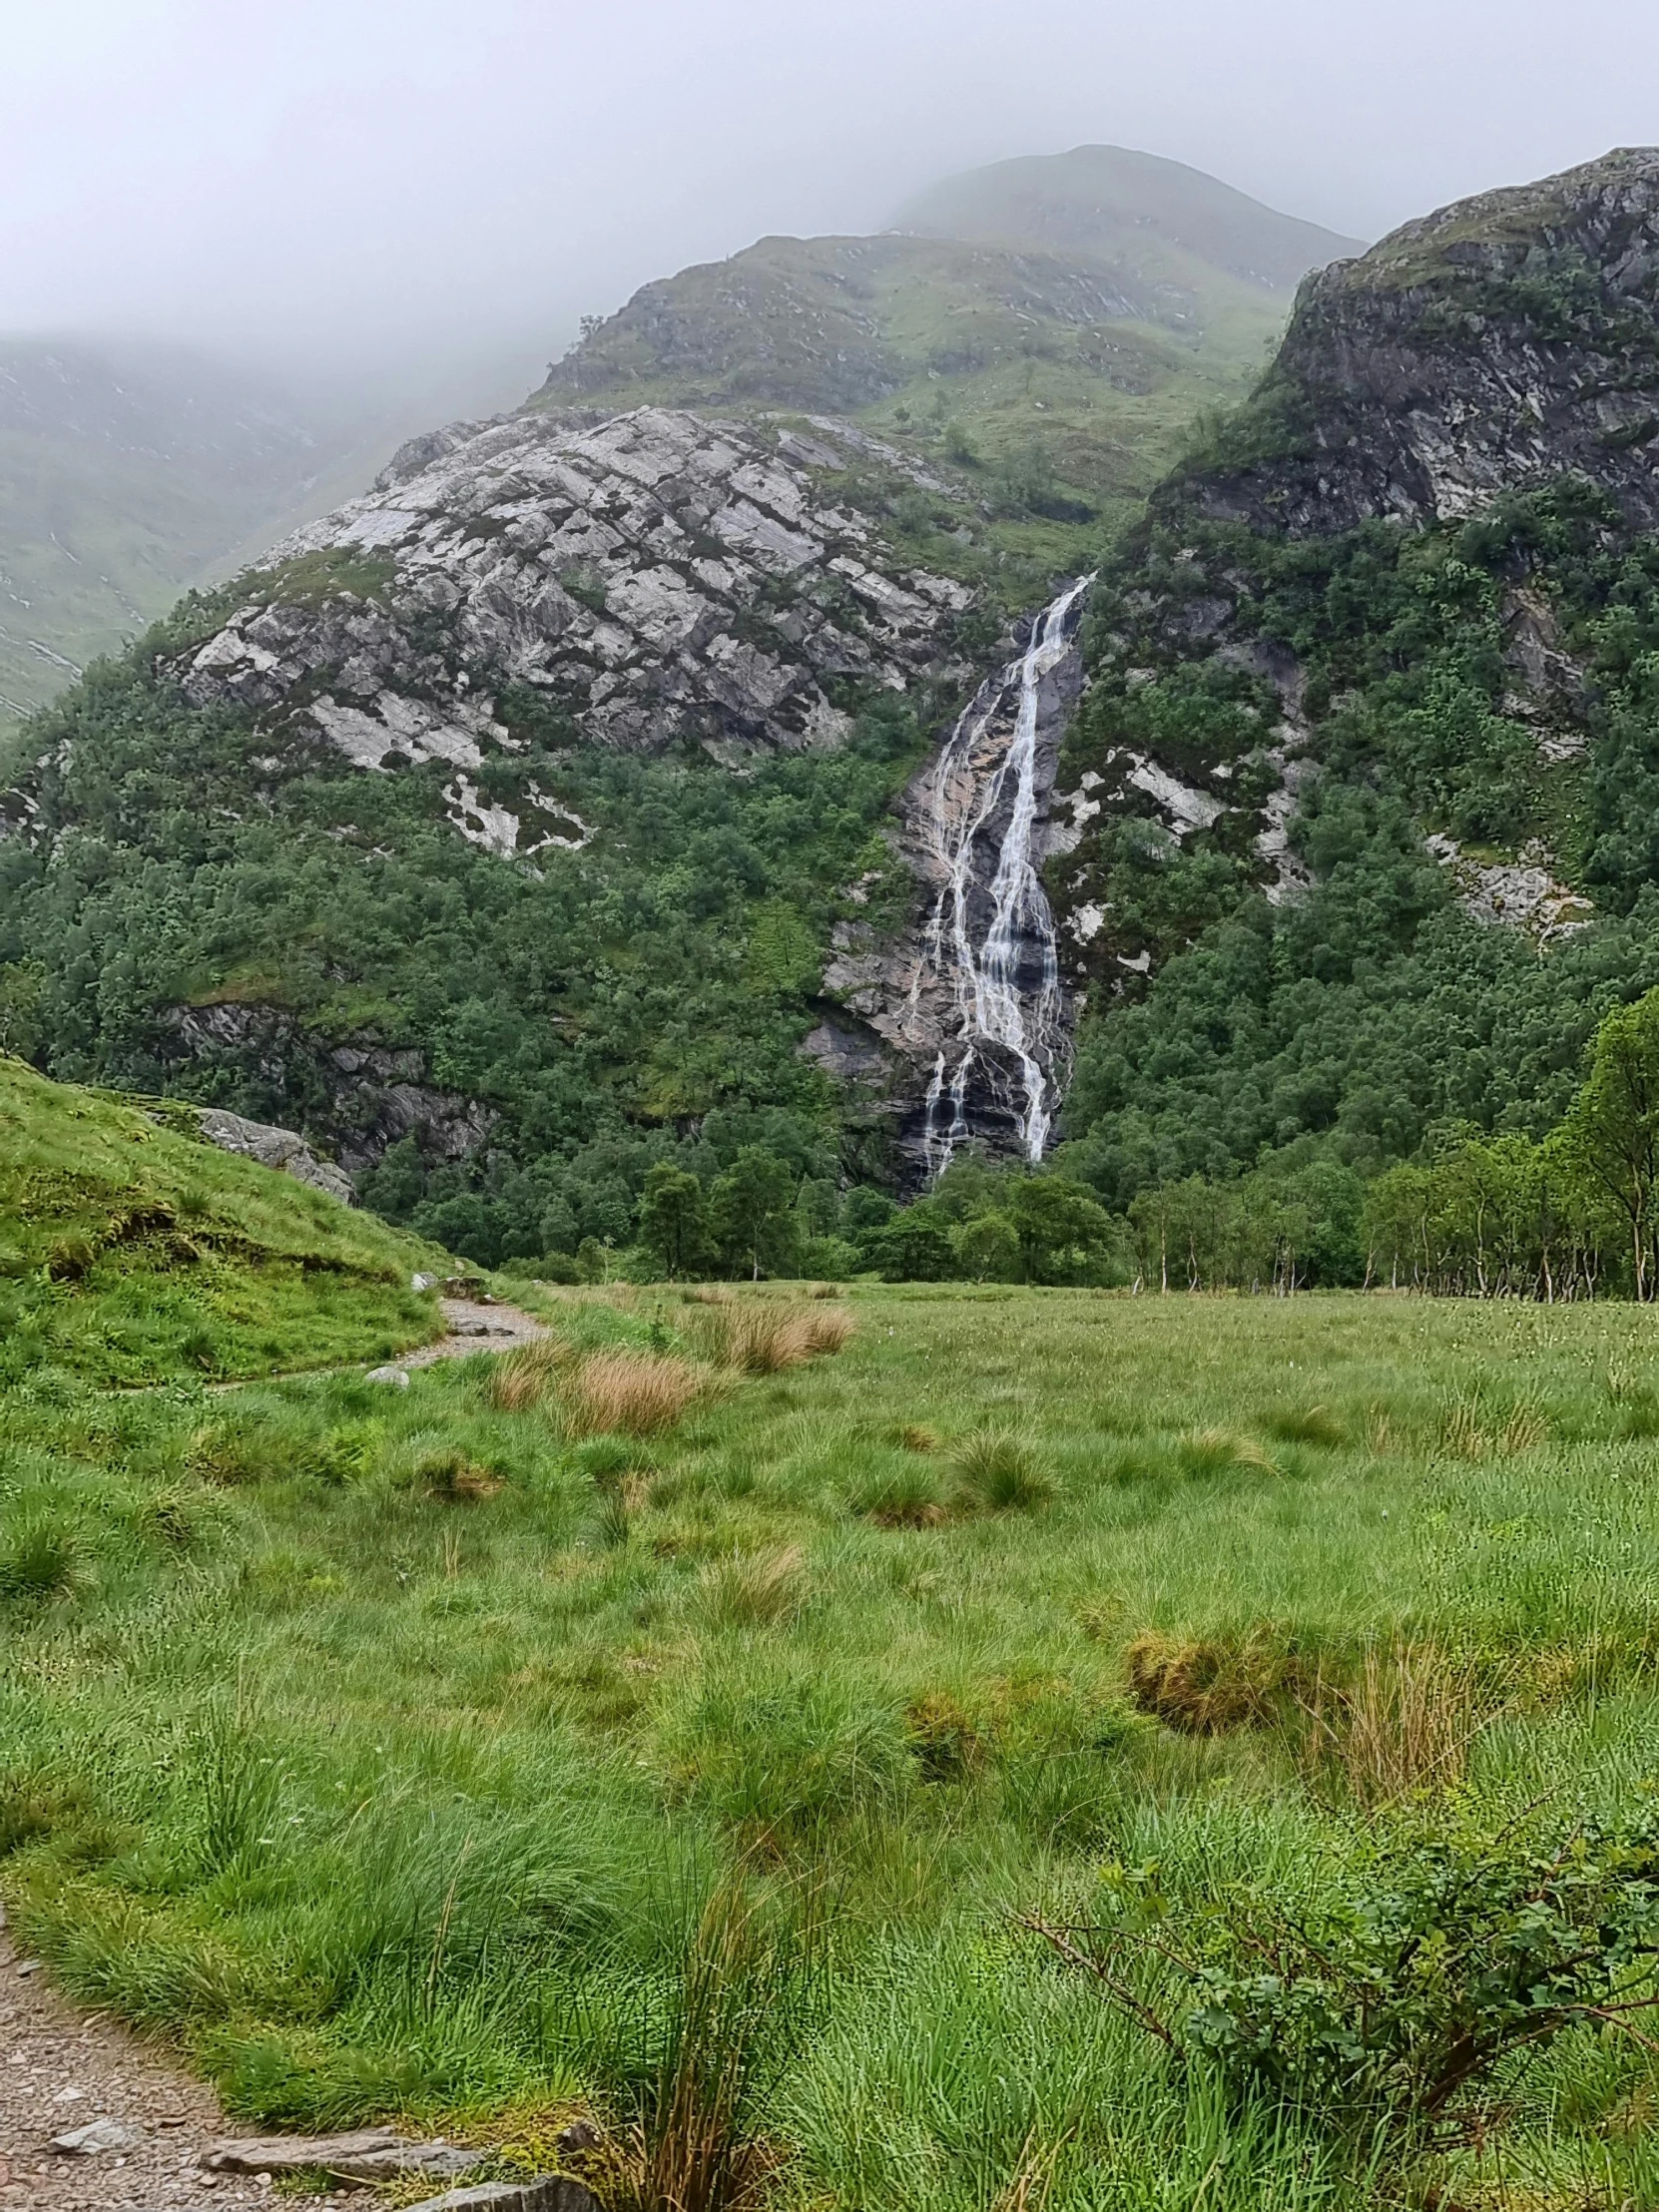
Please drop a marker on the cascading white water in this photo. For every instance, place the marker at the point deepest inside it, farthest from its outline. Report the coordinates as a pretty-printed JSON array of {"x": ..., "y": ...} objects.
[{"x": 994, "y": 1007}]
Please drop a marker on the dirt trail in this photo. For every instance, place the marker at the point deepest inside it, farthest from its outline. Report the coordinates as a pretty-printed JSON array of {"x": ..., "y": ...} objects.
[
  {"x": 476, "y": 1327},
  {"x": 60, "y": 2069}
]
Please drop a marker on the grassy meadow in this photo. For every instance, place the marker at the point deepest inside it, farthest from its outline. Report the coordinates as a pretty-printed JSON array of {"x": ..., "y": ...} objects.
[{"x": 846, "y": 1765}]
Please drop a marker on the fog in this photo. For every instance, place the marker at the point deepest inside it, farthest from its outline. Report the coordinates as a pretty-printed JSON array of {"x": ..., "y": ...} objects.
[{"x": 421, "y": 193}]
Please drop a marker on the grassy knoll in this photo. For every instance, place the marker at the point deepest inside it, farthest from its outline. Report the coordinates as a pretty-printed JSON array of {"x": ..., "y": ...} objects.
[
  {"x": 130, "y": 1250},
  {"x": 459, "y": 1751}
]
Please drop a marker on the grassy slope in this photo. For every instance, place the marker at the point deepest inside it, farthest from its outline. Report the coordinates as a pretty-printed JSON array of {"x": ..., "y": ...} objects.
[
  {"x": 132, "y": 1251},
  {"x": 446, "y": 1852},
  {"x": 978, "y": 318}
]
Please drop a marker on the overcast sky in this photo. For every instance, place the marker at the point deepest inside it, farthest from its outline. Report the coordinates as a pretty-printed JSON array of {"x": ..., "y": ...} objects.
[{"x": 354, "y": 179}]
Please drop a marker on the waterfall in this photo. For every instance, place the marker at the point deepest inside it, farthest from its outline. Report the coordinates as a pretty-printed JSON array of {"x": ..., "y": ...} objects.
[{"x": 1009, "y": 1025}]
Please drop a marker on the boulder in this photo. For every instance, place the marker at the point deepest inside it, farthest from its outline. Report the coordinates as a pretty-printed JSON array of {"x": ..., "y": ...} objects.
[{"x": 282, "y": 1149}]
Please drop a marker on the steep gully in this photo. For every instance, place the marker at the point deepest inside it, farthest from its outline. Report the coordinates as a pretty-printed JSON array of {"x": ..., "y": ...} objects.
[{"x": 959, "y": 1031}]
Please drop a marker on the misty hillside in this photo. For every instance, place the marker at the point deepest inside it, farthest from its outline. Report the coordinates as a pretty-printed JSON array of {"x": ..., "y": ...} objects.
[
  {"x": 1155, "y": 222},
  {"x": 1057, "y": 321},
  {"x": 123, "y": 476}
]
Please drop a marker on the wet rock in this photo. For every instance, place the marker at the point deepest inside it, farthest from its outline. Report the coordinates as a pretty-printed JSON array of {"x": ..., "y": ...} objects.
[
  {"x": 1430, "y": 378},
  {"x": 970, "y": 1064},
  {"x": 366, "y": 1096},
  {"x": 552, "y": 2193},
  {"x": 653, "y": 577}
]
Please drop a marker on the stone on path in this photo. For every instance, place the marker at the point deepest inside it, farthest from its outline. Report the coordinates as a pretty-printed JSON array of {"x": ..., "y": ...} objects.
[
  {"x": 551, "y": 2193},
  {"x": 364, "y": 2154},
  {"x": 98, "y": 2137}
]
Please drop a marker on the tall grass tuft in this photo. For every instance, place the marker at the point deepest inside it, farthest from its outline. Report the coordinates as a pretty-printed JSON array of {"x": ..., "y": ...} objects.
[
  {"x": 997, "y": 1471},
  {"x": 1406, "y": 1724},
  {"x": 908, "y": 1495},
  {"x": 759, "y": 1590},
  {"x": 735, "y": 2018},
  {"x": 1207, "y": 1686},
  {"x": 522, "y": 1377},
  {"x": 1471, "y": 1429},
  {"x": 39, "y": 1560},
  {"x": 1204, "y": 1452},
  {"x": 1307, "y": 1424},
  {"x": 639, "y": 1393},
  {"x": 761, "y": 1337}
]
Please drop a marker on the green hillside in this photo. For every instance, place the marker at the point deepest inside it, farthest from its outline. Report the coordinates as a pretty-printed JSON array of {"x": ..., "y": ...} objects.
[
  {"x": 1024, "y": 322},
  {"x": 133, "y": 1251}
]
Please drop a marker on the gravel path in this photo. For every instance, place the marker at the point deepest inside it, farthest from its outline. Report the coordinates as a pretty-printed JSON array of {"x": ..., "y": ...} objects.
[
  {"x": 62, "y": 2068},
  {"x": 476, "y": 1327}
]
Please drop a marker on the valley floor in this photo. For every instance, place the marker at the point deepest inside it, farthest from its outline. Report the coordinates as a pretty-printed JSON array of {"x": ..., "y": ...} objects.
[{"x": 416, "y": 1751}]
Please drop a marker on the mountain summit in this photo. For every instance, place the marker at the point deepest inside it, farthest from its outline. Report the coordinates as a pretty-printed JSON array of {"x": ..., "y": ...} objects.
[{"x": 1157, "y": 220}]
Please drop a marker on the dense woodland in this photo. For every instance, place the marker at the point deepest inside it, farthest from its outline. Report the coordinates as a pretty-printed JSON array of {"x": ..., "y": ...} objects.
[{"x": 1332, "y": 1072}]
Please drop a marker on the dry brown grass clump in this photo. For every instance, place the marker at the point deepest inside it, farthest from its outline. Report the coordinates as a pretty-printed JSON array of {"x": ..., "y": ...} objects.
[
  {"x": 760, "y": 1337},
  {"x": 522, "y": 1377},
  {"x": 915, "y": 1437},
  {"x": 1406, "y": 1723},
  {"x": 1208, "y": 1687},
  {"x": 639, "y": 1393}
]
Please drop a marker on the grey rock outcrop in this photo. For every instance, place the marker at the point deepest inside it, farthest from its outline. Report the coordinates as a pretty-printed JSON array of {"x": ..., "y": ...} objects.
[
  {"x": 361, "y": 1097},
  {"x": 281, "y": 1149},
  {"x": 547, "y": 2193},
  {"x": 361, "y": 2154},
  {"x": 647, "y": 579},
  {"x": 1492, "y": 346}
]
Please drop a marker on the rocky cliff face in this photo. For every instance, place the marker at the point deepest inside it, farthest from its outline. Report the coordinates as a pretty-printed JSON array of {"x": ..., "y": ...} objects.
[
  {"x": 634, "y": 582},
  {"x": 1501, "y": 348},
  {"x": 1480, "y": 349}
]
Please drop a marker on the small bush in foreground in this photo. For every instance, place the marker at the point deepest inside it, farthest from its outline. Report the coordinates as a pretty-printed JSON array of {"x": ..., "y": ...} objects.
[{"x": 1387, "y": 1997}]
